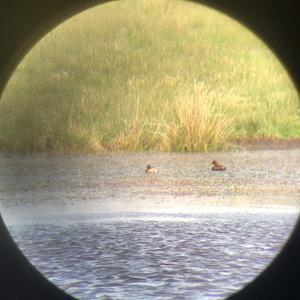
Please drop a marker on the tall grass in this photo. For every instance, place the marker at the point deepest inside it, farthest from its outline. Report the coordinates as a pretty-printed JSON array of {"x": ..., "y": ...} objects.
[
  {"x": 197, "y": 125},
  {"x": 147, "y": 75}
]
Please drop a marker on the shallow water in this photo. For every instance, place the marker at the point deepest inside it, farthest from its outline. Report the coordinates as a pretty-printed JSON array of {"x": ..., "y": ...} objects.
[
  {"x": 98, "y": 225},
  {"x": 118, "y": 182}
]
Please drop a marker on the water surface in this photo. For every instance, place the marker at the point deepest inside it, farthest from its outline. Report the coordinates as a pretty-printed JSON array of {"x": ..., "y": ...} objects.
[
  {"x": 152, "y": 255},
  {"x": 118, "y": 182},
  {"x": 99, "y": 227}
]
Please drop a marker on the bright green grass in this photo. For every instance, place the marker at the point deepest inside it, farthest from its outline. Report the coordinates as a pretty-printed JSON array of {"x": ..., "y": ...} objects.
[{"x": 147, "y": 75}]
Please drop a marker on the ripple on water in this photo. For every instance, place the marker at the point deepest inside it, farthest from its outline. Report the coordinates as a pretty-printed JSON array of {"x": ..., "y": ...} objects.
[
  {"x": 100, "y": 228},
  {"x": 207, "y": 257}
]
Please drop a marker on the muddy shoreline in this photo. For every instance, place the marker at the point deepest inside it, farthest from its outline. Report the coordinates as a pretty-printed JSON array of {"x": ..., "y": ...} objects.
[
  {"x": 246, "y": 144},
  {"x": 266, "y": 143}
]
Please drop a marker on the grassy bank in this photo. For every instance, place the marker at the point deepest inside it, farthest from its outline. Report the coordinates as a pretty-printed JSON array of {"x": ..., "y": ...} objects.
[{"x": 147, "y": 75}]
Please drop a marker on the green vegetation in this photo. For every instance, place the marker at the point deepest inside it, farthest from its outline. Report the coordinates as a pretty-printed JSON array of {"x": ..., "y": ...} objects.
[{"x": 147, "y": 75}]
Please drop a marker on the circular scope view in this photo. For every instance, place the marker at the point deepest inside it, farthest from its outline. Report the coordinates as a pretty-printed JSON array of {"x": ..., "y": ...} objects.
[{"x": 150, "y": 150}]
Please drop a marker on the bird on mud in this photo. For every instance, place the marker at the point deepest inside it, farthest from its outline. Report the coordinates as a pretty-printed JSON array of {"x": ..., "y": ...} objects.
[
  {"x": 151, "y": 170},
  {"x": 217, "y": 166}
]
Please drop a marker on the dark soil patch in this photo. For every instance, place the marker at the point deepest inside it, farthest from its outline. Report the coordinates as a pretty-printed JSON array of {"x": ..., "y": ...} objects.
[{"x": 267, "y": 143}]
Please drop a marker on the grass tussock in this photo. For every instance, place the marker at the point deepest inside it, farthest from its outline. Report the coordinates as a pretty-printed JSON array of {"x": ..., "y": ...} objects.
[
  {"x": 197, "y": 125},
  {"x": 144, "y": 75}
]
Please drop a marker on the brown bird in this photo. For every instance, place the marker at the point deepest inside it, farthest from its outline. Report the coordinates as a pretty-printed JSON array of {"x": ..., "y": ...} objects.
[
  {"x": 151, "y": 170},
  {"x": 217, "y": 166}
]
